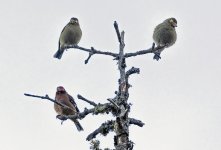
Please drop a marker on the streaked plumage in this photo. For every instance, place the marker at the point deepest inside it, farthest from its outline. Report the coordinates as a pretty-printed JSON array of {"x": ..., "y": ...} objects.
[{"x": 63, "y": 97}]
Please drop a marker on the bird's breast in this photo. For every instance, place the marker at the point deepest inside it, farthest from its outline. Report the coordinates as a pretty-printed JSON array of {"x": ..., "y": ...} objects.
[
  {"x": 70, "y": 35},
  {"x": 163, "y": 35}
]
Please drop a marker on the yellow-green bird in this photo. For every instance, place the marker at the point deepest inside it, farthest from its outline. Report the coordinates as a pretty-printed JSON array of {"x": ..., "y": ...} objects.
[
  {"x": 70, "y": 35},
  {"x": 165, "y": 35}
]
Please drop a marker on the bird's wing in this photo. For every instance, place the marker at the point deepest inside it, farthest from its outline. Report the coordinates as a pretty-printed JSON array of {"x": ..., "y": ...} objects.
[
  {"x": 158, "y": 27},
  {"x": 59, "y": 43},
  {"x": 71, "y": 99}
]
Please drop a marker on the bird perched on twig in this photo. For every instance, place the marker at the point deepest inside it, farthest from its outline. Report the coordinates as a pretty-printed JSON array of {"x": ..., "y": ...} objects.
[
  {"x": 70, "y": 35},
  {"x": 63, "y": 97},
  {"x": 165, "y": 35}
]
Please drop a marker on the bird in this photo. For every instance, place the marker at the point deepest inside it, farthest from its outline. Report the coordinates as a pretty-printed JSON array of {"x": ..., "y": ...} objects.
[
  {"x": 164, "y": 35},
  {"x": 70, "y": 35},
  {"x": 64, "y": 98}
]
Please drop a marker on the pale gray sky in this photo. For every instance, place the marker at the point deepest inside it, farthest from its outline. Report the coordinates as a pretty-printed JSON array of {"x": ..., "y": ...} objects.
[{"x": 178, "y": 97}]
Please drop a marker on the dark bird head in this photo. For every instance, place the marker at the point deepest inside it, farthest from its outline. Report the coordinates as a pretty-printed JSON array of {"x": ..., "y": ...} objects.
[
  {"x": 74, "y": 21},
  {"x": 172, "y": 22},
  {"x": 60, "y": 89}
]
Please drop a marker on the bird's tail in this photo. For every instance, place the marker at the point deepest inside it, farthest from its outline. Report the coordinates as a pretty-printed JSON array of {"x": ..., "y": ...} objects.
[
  {"x": 77, "y": 124},
  {"x": 58, "y": 54}
]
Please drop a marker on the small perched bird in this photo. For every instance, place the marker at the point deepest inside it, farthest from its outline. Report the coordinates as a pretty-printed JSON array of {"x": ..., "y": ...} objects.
[
  {"x": 70, "y": 35},
  {"x": 164, "y": 35},
  {"x": 63, "y": 97}
]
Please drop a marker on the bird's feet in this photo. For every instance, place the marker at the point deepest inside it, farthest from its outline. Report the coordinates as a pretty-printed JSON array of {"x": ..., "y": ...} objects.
[
  {"x": 74, "y": 45},
  {"x": 62, "y": 118},
  {"x": 156, "y": 56}
]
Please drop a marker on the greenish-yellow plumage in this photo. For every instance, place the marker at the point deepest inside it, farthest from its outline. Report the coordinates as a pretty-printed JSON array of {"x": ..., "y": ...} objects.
[
  {"x": 70, "y": 35},
  {"x": 165, "y": 34}
]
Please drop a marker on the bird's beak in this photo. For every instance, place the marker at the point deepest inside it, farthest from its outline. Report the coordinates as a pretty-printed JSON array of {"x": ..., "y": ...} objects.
[{"x": 174, "y": 24}]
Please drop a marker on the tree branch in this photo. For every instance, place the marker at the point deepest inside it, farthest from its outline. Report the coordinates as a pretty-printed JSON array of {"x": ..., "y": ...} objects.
[
  {"x": 132, "y": 71},
  {"x": 90, "y": 54},
  {"x": 118, "y": 106},
  {"x": 104, "y": 129},
  {"x": 96, "y": 110},
  {"x": 80, "y": 115},
  {"x": 121, "y": 139},
  {"x": 86, "y": 100},
  {"x": 153, "y": 49},
  {"x": 117, "y": 31},
  {"x": 48, "y": 98},
  {"x": 92, "y": 51},
  {"x": 136, "y": 122},
  {"x": 95, "y": 145},
  {"x": 99, "y": 109},
  {"x": 115, "y": 104}
]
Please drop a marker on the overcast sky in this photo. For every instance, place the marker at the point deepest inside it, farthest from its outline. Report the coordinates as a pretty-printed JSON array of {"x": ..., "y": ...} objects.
[{"x": 178, "y": 98}]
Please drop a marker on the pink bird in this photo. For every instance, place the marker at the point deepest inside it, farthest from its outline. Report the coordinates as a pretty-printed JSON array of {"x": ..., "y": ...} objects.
[{"x": 63, "y": 97}]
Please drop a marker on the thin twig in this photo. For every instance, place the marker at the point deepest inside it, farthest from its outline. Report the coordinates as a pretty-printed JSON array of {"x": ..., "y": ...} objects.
[
  {"x": 117, "y": 31},
  {"x": 48, "y": 98},
  {"x": 99, "y": 109},
  {"x": 115, "y": 104},
  {"x": 104, "y": 129},
  {"x": 136, "y": 122},
  {"x": 80, "y": 115},
  {"x": 90, "y": 54},
  {"x": 92, "y": 50},
  {"x": 132, "y": 71},
  {"x": 142, "y": 52},
  {"x": 122, "y": 38},
  {"x": 86, "y": 100}
]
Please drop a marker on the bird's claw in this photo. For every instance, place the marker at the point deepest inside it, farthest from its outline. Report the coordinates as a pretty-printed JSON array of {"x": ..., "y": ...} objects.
[
  {"x": 74, "y": 45},
  {"x": 61, "y": 117},
  {"x": 62, "y": 122},
  {"x": 156, "y": 56}
]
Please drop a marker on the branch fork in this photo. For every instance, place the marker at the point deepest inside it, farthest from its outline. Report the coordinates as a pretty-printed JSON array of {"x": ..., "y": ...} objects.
[{"x": 118, "y": 105}]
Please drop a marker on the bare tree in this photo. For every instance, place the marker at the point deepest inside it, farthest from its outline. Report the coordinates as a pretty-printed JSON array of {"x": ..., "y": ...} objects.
[{"x": 118, "y": 106}]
